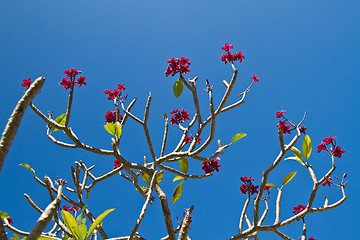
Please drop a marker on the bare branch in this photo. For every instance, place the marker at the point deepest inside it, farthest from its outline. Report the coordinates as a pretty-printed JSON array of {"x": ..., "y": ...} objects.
[{"x": 185, "y": 226}]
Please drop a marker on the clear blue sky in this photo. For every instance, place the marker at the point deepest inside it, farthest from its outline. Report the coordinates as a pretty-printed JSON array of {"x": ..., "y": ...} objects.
[{"x": 307, "y": 56}]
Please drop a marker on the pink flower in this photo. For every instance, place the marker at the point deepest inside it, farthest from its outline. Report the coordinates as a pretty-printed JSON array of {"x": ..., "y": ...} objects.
[
  {"x": 283, "y": 127},
  {"x": 211, "y": 166},
  {"x": 337, "y": 152},
  {"x": 267, "y": 188},
  {"x": 256, "y": 78},
  {"x": 280, "y": 114},
  {"x": 179, "y": 117},
  {"x": 327, "y": 181},
  {"x": 227, "y": 47},
  {"x": 26, "y": 83}
]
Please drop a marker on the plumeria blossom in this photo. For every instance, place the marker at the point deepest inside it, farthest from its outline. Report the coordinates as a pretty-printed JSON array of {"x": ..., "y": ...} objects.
[
  {"x": 211, "y": 166},
  {"x": 303, "y": 129},
  {"x": 283, "y": 127},
  {"x": 177, "y": 65},
  {"x": 69, "y": 81},
  {"x": 229, "y": 57},
  {"x": 280, "y": 114},
  {"x": 117, "y": 164},
  {"x": 248, "y": 187},
  {"x": 110, "y": 117},
  {"x": 26, "y": 83},
  {"x": 299, "y": 209},
  {"x": 256, "y": 78},
  {"x": 179, "y": 117},
  {"x": 71, "y": 209},
  {"x": 327, "y": 182},
  {"x": 116, "y": 93},
  {"x": 190, "y": 139},
  {"x": 335, "y": 151},
  {"x": 312, "y": 238},
  {"x": 329, "y": 140}
]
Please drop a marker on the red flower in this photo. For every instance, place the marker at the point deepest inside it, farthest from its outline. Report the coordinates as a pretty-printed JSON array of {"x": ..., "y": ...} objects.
[
  {"x": 321, "y": 147},
  {"x": 247, "y": 186},
  {"x": 121, "y": 87},
  {"x": 267, "y": 188},
  {"x": 117, "y": 164},
  {"x": 81, "y": 81},
  {"x": 312, "y": 238},
  {"x": 177, "y": 65},
  {"x": 179, "y": 117},
  {"x": 211, "y": 166},
  {"x": 72, "y": 73},
  {"x": 189, "y": 139},
  {"x": 337, "y": 152},
  {"x": 247, "y": 180},
  {"x": 299, "y": 209},
  {"x": 110, "y": 117},
  {"x": 280, "y": 114},
  {"x": 329, "y": 140},
  {"x": 71, "y": 209},
  {"x": 303, "y": 129},
  {"x": 283, "y": 127},
  {"x": 112, "y": 94},
  {"x": 10, "y": 220},
  {"x": 227, "y": 47},
  {"x": 26, "y": 83},
  {"x": 67, "y": 84},
  {"x": 256, "y": 78},
  {"x": 327, "y": 181}
]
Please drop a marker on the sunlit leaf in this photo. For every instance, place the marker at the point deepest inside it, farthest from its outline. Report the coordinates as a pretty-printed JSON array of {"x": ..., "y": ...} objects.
[
  {"x": 82, "y": 231},
  {"x": 60, "y": 120},
  {"x": 297, "y": 152},
  {"x": 288, "y": 178},
  {"x": 16, "y": 237},
  {"x": 27, "y": 166},
  {"x": 145, "y": 177},
  {"x": 295, "y": 159},
  {"x": 98, "y": 221},
  {"x": 113, "y": 129},
  {"x": 271, "y": 185},
  {"x": 81, "y": 219},
  {"x": 143, "y": 188},
  {"x": 178, "y": 178},
  {"x": 184, "y": 165},
  {"x": 4, "y": 215},
  {"x": 70, "y": 223},
  {"x": 177, "y": 193},
  {"x": 237, "y": 137},
  {"x": 159, "y": 177},
  {"x": 178, "y": 88},
  {"x": 306, "y": 146}
]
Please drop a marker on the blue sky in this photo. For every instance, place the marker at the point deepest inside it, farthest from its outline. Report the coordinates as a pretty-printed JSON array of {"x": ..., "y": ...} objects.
[{"x": 306, "y": 54}]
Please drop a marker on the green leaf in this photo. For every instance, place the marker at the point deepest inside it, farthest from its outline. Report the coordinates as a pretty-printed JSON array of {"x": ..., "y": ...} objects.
[
  {"x": 295, "y": 159},
  {"x": 306, "y": 147},
  {"x": 178, "y": 88},
  {"x": 4, "y": 215},
  {"x": 66, "y": 237},
  {"x": 165, "y": 117},
  {"x": 16, "y": 237},
  {"x": 143, "y": 188},
  {"x": 178, "y": 178},
  {"x": 297, "y": 152},
  {"x": 184, "y": 165},
  {"x": 145, "y": 177},
  {"x": 27, "y": 166},
  {"x": 98, "y": 221},
  {"x": 81, "y": 219},
  {"x": 60, "y": 120},
  {"x": 237, "y": 137},
  {"x": 70, "y": 223},
  {"x": 288, "y": 178},
  {"x": 271, "y": 185},
  {"x": 113, "y": 129},
  {"x": 160, "y": 177},
  {"x": 44, "y": 238},
  {"x": 82, "y": 231},
  {"x": 177, "y": 193}
]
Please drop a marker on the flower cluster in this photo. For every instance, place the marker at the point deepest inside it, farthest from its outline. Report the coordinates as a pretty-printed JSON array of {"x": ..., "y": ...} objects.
[
  {"x": 70, "y": 83},
  {"x": 228, "y": 57},
  {"x": 71, "y": 209},
  {"x": 298, "y": 209},
  {"x": 116, "y": 93},
  {"x": 26, "y": 83},
  {"x": 247, "y": 186},
  {"x": 327, "y": 181},
  {"x": 256, "y": 78},
  {"x": 334, "y": 150},
  {"x": 177, "y": 65},
  {"x": 179, "y": 117},
  {"x": 283, "y": 124},
  {"x": 190, "y": 139},
  {"x": 211, "y": 166},
  {"x": 117, "y": 164},
  {"x": 110, "y": 117}
]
